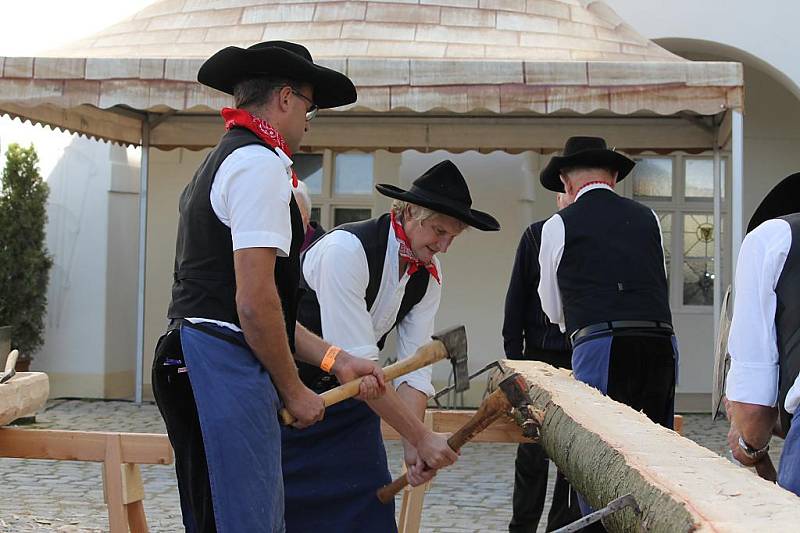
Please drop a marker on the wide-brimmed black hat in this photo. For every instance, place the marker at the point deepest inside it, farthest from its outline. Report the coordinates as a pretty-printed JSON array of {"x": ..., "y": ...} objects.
[
  {"x": 229, "y": 66},
  {"x": 443, "y": 189},
  {"x": 783, "y": 199},
  {"x": 584, "y": 152}
]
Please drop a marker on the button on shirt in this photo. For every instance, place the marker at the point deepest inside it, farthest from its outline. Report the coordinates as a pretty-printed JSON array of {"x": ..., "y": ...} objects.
[
  {"x": 753, "y": 340},
  {"x": 552, "y": 248},
  {"x": 251, "y": 195},
  {"x": 336, "y": 269}
]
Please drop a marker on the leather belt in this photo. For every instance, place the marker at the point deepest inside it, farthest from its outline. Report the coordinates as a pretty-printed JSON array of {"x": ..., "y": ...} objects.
[{"x": 620, "y": 326}]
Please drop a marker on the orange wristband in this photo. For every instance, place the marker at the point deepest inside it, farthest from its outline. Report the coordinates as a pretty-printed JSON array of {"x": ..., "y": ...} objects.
[{"x": 329, "y": 358}]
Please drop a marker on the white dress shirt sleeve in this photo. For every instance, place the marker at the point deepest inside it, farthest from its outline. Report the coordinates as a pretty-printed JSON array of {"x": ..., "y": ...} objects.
[
  {"x": 752, "y": 342},
  {"x": 661, "y": 237},
  {"x": 552, "y": 247},
  {"x": 336, "y": 268},
  {"x": 416, "y": 329},
  {"x": 251, "y": 195}
]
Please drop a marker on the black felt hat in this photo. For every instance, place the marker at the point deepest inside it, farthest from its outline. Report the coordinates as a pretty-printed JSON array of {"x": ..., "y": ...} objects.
[
  {"x": 443, "y": 189},
  {"x": 584, "y": 152},
  {"x": 783, "y": 199},
  {"x": 229, "y": 66}
]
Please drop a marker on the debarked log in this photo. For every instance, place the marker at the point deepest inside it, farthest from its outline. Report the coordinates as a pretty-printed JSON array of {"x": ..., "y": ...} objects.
[
  {"x": 607, "y": 450},
  {"x": 23, "y": 395}
]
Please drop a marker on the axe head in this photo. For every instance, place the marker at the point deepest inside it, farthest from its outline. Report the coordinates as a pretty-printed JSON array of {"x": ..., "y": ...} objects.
[
  {"x": 515, "y": 389},
  {"x": 455, "y": 342}
]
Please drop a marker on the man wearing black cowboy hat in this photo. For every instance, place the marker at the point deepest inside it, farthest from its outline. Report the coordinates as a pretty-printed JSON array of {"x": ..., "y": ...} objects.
[
  {"x": 763, "y": 384},
  {"x": 225, "y": 362},
  {"x": 363, "y": 279},
  {"x": 603, "y": 281}
]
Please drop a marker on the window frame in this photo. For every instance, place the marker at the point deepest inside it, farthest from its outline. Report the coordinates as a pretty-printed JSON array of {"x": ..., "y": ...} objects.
[
  {"x": 678, "y": 206},
  {"x": 328, "y": 201}
]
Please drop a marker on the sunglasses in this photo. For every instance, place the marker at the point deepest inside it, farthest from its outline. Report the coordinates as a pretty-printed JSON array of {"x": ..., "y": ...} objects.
[{"x": 311, "y": 112}]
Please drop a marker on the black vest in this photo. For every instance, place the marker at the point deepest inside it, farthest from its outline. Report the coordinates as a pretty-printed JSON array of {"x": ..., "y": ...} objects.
[
  {"x": 374, "y": 236},
  {"x": 787, "y": 320},
  {"x": 612, "y": 267},
  {"x": 204, "y": 280}
]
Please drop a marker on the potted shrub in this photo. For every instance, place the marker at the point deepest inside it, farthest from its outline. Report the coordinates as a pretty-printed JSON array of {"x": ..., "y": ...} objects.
[{"x": 24, "y": 261}]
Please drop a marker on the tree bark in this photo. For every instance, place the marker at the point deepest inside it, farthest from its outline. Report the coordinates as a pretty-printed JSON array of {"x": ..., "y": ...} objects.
[{"x": 607, "y": 450}]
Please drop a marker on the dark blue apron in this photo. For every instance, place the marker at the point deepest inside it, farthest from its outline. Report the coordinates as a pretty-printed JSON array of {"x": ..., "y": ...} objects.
[
  {"x": 237, "y": 406},
  {"x": 332, "y": 470},
  {"x": 789, "y": 468}
]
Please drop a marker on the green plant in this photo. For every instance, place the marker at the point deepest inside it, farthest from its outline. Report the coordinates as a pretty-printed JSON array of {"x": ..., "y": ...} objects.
[{"x": 24, "y": 261}]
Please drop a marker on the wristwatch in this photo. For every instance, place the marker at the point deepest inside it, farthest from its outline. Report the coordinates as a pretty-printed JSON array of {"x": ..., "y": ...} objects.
[{"x": 750, "y": 452}]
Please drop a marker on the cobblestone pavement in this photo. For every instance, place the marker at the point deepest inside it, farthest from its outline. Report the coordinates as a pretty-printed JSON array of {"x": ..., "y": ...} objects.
[{"x": 64, "y": 496}]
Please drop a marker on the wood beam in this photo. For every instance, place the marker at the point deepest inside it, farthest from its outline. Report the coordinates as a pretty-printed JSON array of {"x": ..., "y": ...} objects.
[
  {"x": 607, "y": 450},
  {"x": 23, "y": 395}
]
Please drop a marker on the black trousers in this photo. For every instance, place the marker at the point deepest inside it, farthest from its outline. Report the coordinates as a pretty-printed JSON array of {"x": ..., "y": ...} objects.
[
  {"x": 175, "y": 400},
  {"x": 641, "y": 374},
  {"x": 530, "y": 478}
]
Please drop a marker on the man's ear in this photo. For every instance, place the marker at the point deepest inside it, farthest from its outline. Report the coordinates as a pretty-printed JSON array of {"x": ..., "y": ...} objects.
[
  {"x": 284, "y": 95},
  {"x": 565, "y": 182}
]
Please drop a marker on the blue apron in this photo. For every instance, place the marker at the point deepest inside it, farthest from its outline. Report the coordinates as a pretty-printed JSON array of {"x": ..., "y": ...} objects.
[
  {"x": 237, "y": 406},
  {"x": 789, "y": 468},
  {"x": 332, "y": 470}
]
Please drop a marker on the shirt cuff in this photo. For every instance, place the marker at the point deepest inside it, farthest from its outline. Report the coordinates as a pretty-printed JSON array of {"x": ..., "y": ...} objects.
[
  {"x": 419, "y": 380},
  {"x": 262, "y": 239},
  {"x": 752, "y": 383}
]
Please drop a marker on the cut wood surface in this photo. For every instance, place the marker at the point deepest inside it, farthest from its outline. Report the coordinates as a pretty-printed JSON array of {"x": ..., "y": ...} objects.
[
  {"x": 23, "y": 395},
  {"x": 607, "y": 450}
]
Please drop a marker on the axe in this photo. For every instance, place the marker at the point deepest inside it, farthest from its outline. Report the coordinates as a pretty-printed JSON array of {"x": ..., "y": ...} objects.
[
  {"x": 510, "y": 399},
  {"x": 448, "y": 344}
]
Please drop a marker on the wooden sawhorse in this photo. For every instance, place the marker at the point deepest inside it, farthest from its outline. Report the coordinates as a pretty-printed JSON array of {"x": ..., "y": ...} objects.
[{"x": 120, "y": 453}]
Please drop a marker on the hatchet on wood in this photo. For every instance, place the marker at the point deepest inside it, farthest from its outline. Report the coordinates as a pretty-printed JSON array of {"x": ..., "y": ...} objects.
[
  {"x": 11, "y": 362},
  {"x": 510, "y": 399},
  {"x": 448, "y": 344}
]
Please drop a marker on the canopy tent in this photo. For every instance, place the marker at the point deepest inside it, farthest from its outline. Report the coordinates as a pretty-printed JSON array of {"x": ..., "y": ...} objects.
[{"x": 511, "y": 75}]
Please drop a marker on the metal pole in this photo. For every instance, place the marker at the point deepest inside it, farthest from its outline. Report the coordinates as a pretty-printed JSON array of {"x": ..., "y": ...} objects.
[
  {"x": 143, "y": 179},
  {"x": 717, "y": 233},
  {"x": 737, "y": 160}
]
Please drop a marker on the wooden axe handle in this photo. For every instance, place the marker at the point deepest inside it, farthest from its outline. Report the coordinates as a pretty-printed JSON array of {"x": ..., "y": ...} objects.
[
  {"x": 11, "y": 361},
  {"x": 765, "y": 469},
  {"x": 426, "y": 355},
  {"x": 492, "y": 408}
]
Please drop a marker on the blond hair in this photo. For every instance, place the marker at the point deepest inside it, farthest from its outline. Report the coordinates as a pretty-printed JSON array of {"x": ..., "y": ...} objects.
[{"x": 420, "y": 213}]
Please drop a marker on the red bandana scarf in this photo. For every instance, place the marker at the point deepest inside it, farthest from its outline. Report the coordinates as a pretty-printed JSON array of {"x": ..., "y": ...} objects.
[
  {"x": 262, "y": 129},
  {"x": 408, "y": 254}
]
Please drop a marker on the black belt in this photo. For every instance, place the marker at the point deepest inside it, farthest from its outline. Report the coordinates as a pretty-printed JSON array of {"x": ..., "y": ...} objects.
[{"x": 616, "y": 327}]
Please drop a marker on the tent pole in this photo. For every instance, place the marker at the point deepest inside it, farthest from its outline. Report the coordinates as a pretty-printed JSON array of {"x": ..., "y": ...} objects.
[
  {"x": 717, "y": 232},
  {"x": 737, "y": 157},
  {"x": 143, "y": 181}
]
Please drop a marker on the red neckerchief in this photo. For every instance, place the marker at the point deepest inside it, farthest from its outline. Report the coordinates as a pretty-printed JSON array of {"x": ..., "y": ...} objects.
[
  {"x": 591, "y": 183},
  {"x": 262, "y": 129},
  {"x": 408, "y": 254}
]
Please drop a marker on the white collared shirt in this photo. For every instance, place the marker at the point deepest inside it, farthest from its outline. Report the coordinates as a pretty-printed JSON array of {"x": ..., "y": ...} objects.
[
  {"x": 753, "y": 340},
  {"x": 336, "y": 269},
  {"x": 550, "y": 252},
  {"x": 251, "y": 194}
]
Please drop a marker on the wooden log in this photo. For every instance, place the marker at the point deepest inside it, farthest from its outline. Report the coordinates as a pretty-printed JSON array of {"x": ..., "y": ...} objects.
[
  {"x": 23, "y": 395},
  {"x": 607, "y": 450}
]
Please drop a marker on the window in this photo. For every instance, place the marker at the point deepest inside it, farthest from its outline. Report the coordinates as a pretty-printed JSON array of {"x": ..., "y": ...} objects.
[
  {"x": 340, "y": 185},
  {"x": 680, "y": 189}
]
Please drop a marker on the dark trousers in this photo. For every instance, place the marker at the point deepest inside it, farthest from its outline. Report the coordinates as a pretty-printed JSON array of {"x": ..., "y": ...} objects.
[
  {"x": 530, "y": 488},
  {"x": 175, "y": 400},
  {"x": 530, "y": 477},
  {"x": 640, "y": 373}
]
